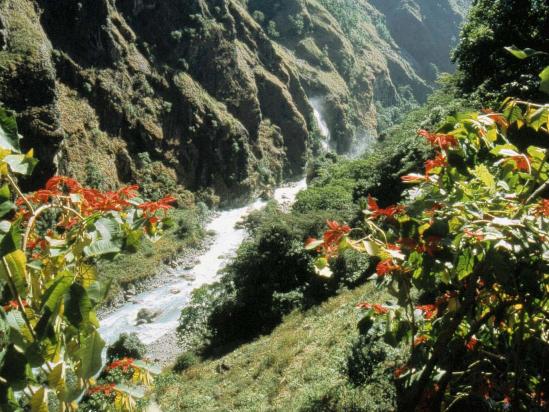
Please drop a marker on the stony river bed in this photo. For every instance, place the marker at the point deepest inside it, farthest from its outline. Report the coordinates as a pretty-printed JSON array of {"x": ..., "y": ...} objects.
[{"x": 152, "y": 309}]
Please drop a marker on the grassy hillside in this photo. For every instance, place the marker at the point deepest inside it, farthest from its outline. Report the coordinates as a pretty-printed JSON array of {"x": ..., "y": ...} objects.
[{"x": 300, "y": 366}]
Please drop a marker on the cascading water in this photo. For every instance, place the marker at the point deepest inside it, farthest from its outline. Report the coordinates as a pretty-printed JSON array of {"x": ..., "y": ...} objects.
[
  {"x": 318, "y": 108},
  {"x": 168, "y": 300}
]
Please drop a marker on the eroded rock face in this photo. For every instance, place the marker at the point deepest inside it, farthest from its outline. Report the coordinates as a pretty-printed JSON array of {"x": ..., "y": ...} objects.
[{"x": 195, "y": 93}]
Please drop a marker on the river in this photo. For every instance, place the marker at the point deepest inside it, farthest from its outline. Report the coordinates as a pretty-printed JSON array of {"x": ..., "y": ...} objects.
[
  {"x": 169, "y": 304},
  {"x": 169, "y": 299}
]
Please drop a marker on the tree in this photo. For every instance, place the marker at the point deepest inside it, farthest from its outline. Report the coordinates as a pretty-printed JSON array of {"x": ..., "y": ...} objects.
[{"x": 485, "y": 69}]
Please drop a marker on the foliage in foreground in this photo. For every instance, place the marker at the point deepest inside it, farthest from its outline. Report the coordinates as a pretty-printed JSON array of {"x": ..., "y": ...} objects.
[
  {"x": 467, "y": 258},
  {"x": 50, "y": 241}
]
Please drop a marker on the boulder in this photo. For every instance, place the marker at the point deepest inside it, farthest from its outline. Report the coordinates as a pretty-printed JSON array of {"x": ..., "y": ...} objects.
[{"x": 147, "y": 315}]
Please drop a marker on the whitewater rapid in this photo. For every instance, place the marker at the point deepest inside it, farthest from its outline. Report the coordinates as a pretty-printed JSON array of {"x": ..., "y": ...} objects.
[{"x": 170, "y": 298}]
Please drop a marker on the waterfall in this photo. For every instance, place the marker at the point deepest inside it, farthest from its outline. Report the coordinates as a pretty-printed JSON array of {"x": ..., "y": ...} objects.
[{"x": 317, "y": 104}]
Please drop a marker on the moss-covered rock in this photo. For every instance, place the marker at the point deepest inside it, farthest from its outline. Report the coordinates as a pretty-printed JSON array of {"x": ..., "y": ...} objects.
[{"x": 216, "y": 98}]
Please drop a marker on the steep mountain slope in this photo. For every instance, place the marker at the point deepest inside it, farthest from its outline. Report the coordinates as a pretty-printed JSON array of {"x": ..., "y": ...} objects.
[{"x": 199, "y": 94}]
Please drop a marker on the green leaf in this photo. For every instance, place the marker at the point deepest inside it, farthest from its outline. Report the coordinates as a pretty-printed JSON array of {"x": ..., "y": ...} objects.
[
  {"x": 77, "y": 305},
  {"x": 13, "y": 270},
  {"x": 136, "y": 393},
  {"x": 101, "y": 247},
  {"x": 321, "y": 262},
  {"x": 98, "y": 290},
  {"x": 15, "y": 368},
  {"x": 17, "y": 322},
  {"x": 313, "y": 245},
  {"x": 108, "y": 228},
  {"x": 12, "y": 240},
  {"x": 503, "y": 149},
  {"x": 21, "y": 164},
  {"x": 9, "y": 137},
  {"x": 6, "y": 207},
  {"x": 5, "y": 193},
  {"x": 485, "y": 177},
  {"x": 54, "y": 294},
  {"x": 522, "y": 53},
  {"x": 538, "y": 118},
  {"x": 544, "y": 76},
  {"x": 39, "y": 401},
  {"x": 465, "y": 264},
  {"x": 513, "y": 113},
  {"x": 133, "y": 238},
  {"x": 90, "y": 355},
  {"x": 148, "y": 367},
  {"x": 56, "y": 379}
]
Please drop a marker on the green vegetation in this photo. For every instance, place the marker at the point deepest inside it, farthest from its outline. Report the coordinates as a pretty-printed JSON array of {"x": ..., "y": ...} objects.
[
  {"x": 126, "y": 346},
  {"x": 467, "y": 259},
  {"x": 486, "y": 72},
  {"x": 272, "y": 274},
  {"x": 187, "y": 232},
  {"x": 300, "y": 366},
  {"x": 50, "y": 346}
]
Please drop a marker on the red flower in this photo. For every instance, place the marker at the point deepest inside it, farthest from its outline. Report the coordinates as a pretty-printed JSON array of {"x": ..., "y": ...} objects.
[
  {"x": 14, "y": 305},
  {"x": 107, "y": 389},
  {"x": 128, "y": 192},
  {"x": 442, "y": 141},
  {"x": 420, "y": 340},
  {"x": 378, "y": 309},
  {"x": 60, "y": 183},
  {"x": 542, "y": 208},
  {"x": 400, "y": 371},
  {"x": 42, "y": 196},
  {"x": 124, "y": 364},
  {"x": 385, "y": 267},
  {"x": 438, "y": 161},
  {"x": 335, "y": 233},
  {"x": 496, "y": 117},
  {"x": 150, "y": 208},
  {"x": 388, "y": 212},
  {"x": 471, "y": 344},
  {"x": 478, "y": 235},
  {"x": 428, "y": 310},
  {"x": 521, "y": 162}
]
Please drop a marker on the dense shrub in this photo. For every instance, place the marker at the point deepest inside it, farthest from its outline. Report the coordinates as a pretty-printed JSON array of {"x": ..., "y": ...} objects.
[
  {"x": 486, "y": 70},
  {"x": 126, "y": 346},
  {"x": 185, "y": 361}
]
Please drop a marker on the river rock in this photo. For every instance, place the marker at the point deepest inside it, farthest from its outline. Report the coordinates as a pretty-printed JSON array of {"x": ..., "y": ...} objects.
[
  {"x": 130, "y": 291},
  {"x": 187, "y": 276},
  {"x": 175, "y": 291},
  {"x": 147, "y": 315}
]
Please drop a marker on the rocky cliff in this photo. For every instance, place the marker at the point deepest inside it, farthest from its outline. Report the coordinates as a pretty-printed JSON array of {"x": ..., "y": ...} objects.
[{"x": 210, "y": 96}]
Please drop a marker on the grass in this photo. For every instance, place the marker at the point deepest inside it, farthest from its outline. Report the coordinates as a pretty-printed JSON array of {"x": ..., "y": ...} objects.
[
  {"x": 150, "y": 257},
  {"x": 300, "y": 366}
]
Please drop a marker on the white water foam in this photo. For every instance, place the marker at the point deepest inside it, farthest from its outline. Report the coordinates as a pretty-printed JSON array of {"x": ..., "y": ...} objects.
[
  {"x": 318, "y": 108},
  {"x": 168, "y": 304}
]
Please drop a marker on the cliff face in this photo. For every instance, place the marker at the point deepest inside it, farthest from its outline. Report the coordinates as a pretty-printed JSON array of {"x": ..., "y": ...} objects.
[{"x": 198, "y": 94}]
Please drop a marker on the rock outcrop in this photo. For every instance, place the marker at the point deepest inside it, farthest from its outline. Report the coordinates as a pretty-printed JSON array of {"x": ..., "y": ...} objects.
[{"x": 209, "y": 96}]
